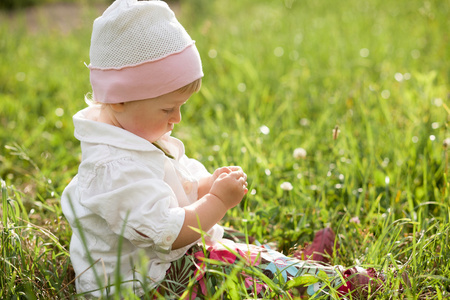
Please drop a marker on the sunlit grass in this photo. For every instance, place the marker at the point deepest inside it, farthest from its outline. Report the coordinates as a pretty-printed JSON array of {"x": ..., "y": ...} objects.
[{"x": 279, "y": 75}]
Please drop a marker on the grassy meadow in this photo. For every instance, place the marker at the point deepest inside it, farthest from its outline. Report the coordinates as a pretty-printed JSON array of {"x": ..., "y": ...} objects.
[{"x": 361, "y": 86}]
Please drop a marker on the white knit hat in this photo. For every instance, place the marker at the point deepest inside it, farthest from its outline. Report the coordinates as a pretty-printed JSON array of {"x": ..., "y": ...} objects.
[{"x": 139, "y": 50}]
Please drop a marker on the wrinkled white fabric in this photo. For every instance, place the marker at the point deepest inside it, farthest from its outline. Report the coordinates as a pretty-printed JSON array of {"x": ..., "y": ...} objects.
[{"x": 127, "y": 188}]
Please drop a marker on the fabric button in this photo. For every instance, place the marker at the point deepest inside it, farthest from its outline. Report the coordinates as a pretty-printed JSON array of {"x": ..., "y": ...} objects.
[
  {"x": 187, "y": 186},
  {"x": 168, "y": 240}
]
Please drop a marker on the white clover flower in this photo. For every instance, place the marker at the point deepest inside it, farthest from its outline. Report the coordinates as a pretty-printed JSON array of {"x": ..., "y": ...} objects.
[
  {"x": 286, "y": 186},
  {"x": 299, "y": 153}
]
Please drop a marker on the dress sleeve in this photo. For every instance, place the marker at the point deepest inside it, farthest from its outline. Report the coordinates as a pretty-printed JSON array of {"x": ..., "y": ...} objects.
[{"x": 135, "y": 202}]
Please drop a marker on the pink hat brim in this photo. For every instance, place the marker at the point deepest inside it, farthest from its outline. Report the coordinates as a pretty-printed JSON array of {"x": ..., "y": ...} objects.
[{"x": 147, "y": 80}]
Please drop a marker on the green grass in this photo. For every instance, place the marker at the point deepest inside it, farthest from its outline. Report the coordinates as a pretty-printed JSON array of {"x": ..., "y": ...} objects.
[{"x": 379, "y": 70}]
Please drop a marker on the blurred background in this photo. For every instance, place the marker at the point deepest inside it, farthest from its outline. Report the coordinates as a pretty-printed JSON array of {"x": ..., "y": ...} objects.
[{"x": 338, "y": 111}]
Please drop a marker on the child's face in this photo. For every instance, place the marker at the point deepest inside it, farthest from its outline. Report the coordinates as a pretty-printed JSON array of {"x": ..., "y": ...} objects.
[{"x": 152, "y": 118}]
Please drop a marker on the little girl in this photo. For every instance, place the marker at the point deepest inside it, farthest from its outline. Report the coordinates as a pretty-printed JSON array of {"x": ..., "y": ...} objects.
[{"x": 144, "y": 215}]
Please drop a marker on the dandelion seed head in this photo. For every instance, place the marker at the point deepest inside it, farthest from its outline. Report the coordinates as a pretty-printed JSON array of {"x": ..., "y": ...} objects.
[
  {"x": 299, "y": 153},
  {"x": 415, "y": 139},
  {"x": 437, "y": 102},
  {"x": 364, "y": 52},
  {"x": 415, "y": 54},
  {"x": 212, "y": 53},
  {"x": 279, "y": 51},
  {"x": 398, "y": 77},
  {"x": 432, "y": 137},
  {"x": 47, "y": 135},
  {"x": 59, "y": 112},
  {"x": 286, "y": 186},
  {"x": 241, "y": 87},
  {"x": 264, "y": 130},
  {"x": 304, "y": 122},
  {"x": 446, "y": 142},
  {"x": 435, "y": 125}
]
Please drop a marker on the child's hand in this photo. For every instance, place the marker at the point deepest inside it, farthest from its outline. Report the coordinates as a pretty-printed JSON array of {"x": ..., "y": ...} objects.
[
  {"x": 222, "y": 170},
  {"x": 219, "y": 171},
  {"x": 230, "y": 186},
  {"x": 206, "y": 183}
]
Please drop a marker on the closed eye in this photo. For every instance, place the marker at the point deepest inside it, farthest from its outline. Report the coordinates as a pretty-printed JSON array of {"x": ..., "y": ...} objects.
[{"x": 169, "y": 110}]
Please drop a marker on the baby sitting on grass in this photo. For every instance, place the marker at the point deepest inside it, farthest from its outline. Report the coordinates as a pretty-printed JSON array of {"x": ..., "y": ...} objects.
[{"x": 144, "y": 215}]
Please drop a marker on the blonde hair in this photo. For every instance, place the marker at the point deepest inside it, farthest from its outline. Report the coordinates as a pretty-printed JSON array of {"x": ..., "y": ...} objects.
[{"x": 190, "y": 88}]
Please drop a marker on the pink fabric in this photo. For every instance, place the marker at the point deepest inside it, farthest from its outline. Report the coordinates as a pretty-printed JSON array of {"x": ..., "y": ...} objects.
[
  {"x": 147, "y": 80},
  {"x": 222, "y": 251}
]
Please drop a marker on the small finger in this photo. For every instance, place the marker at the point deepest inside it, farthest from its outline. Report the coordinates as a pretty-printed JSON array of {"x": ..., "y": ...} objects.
[
  {"x": 226, "y": 170},
  {"x": 243, "y": 181},
  {"x": 235, "y": 168},
  {"x": 222, "y": 175}
]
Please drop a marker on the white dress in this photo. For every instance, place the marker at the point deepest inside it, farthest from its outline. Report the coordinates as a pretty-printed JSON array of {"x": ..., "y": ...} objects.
[{"x": 127, "y": 198}]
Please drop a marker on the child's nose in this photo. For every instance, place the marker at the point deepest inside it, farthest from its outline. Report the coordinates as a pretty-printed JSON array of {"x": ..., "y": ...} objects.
[{"x": 176, "y": 116}]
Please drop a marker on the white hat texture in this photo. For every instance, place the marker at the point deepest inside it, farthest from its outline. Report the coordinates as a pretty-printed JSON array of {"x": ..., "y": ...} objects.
[{"x": 138, "y": 51}]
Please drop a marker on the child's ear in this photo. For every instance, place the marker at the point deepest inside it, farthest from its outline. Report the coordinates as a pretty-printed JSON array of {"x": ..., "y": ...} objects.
[{"x": 118, "y": 107}]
